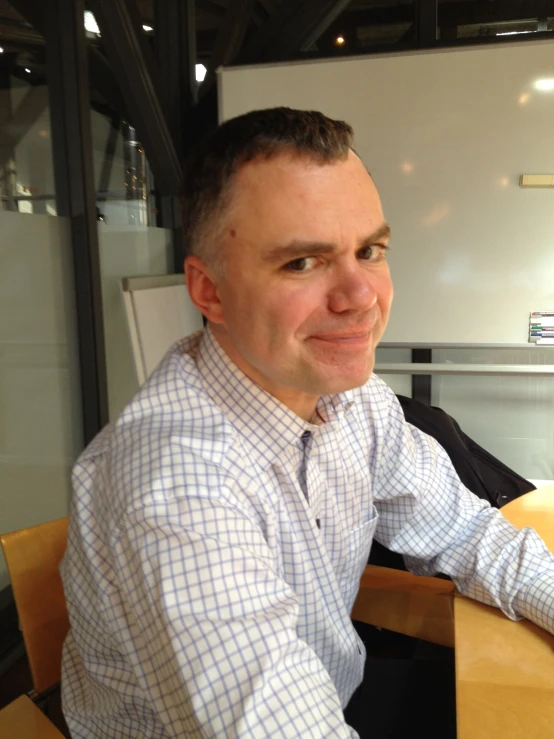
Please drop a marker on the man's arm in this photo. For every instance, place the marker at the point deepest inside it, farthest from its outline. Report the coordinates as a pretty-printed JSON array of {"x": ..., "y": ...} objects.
[
  {"x": 212, "y": 629},
  {"x": 428, "y": 515}
]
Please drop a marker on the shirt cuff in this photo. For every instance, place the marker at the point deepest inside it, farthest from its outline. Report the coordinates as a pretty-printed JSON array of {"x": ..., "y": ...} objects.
[{"x": 536, "y": 601}]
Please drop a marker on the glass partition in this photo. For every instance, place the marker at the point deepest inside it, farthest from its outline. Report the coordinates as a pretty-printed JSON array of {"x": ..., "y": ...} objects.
[
  {"x": 26, "y": 169},
  {"x": 131, "y": 244},
  {"x": 511, "y": 416},
  {"x": 40, "y": 406},
  {"x": 400, "y": 384},
  {"x": 40, "y": 411},
  {"x": 124, "y": 182}
]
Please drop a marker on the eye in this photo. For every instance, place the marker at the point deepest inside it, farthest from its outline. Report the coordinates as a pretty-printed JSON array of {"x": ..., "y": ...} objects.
[
  {"x": 373, "y": 253},
  {"x": 303, "y": 264}
]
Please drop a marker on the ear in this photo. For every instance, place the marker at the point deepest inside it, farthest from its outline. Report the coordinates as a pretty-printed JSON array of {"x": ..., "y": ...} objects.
[{"x": 202, "y": 287}]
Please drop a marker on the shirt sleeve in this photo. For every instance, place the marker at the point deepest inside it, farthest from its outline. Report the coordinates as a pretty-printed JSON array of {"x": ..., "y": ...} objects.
[
  {"x": 212, "y": 627},
  {"x": 430, "y": 517}
]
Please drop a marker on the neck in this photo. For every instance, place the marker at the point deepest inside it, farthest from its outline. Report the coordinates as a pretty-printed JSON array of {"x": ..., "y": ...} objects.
[{"x": 303, "y": 404}]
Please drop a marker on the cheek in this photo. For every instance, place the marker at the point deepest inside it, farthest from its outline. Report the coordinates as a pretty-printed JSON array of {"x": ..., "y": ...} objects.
[
  {"x": 287, "y": 310},
  {"x": 385, "y": 292},
  {"x": 300, "y": 307}
]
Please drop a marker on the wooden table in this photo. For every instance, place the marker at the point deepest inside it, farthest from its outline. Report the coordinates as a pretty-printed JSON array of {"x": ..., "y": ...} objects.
[{"x": 505, "y": 669}]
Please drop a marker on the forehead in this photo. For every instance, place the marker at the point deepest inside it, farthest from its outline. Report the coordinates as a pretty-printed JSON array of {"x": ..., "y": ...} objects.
[{"x": 291, "y": 197}]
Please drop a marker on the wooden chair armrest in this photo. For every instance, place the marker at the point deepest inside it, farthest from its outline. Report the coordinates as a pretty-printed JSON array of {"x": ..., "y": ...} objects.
[
  {"x": 23, "y": 720},
  {"x": 408, "y": 604}
]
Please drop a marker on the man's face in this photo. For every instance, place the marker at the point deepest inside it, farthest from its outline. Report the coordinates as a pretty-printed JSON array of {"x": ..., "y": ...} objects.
[{"x": 306, "y": 290}]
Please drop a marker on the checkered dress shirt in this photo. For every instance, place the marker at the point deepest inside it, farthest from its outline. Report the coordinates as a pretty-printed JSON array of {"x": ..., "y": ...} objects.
[{"x": 216, "y": 544}]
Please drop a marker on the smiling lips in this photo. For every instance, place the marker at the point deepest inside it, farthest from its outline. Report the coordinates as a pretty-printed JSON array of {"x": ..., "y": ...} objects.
[{"x": 347, "y": 339}]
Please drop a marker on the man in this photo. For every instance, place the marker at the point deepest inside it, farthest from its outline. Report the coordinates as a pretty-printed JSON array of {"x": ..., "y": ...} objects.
[{"x": 220, "y": 527}]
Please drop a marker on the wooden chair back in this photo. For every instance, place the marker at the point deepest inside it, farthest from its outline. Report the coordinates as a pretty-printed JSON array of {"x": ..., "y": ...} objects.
[{"x": 33, "y": 556}]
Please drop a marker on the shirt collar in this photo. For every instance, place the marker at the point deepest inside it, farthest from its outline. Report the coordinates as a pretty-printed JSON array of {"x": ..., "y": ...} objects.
[{"x": 255, "y": 413}]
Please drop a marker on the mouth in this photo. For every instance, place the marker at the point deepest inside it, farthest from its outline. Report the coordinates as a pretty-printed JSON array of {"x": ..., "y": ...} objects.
[{"x": 354, "y": 339}]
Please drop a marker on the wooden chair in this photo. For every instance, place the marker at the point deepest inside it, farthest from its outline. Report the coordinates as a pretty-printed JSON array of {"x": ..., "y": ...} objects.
[
  {"x": 33, "y": 556},
  {"x": 422, "y": 607}
]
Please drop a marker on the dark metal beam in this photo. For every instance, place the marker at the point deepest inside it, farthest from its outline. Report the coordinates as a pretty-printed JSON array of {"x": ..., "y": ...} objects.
[
  {"x": 209, "y": 6},
  {"x": 175, "y": 44},
  {"x": 379, "y": 16},
  {"x": 292, "y": 27},
  {"x": 267, "y": 5},
  {"x": 134, "y": 67},
  {"x": 229, "y": 38},
  {"x": 66, "y": 60},
  {"x": 205, "y": 41},
  {"x": 426, "y": 15},
  {"x": 421, "y": 384}
]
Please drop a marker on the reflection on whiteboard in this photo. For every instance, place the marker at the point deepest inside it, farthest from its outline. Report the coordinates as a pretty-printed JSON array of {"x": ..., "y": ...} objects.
[{"x": 159, "y": 313}]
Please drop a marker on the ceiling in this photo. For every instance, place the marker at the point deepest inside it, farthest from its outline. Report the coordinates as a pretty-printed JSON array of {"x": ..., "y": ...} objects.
[
  {"x": 239, "y": 31},
  {"x": 365, "y": 25}
]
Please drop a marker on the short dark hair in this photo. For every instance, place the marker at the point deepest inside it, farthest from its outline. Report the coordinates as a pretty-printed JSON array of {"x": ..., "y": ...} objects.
[{"x": 260, "y": 134}]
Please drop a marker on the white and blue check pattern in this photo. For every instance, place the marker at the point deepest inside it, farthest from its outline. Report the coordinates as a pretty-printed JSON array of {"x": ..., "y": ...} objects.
[{"x": 215, "y": 550}]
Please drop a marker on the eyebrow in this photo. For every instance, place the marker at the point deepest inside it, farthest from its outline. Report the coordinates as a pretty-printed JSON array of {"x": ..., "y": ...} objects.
[{"x": 296, "y": 249}]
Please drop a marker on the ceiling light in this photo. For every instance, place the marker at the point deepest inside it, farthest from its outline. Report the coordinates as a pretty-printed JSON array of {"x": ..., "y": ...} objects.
[
  {"x": 339, "y": 40},
  {"x": 546, "y": 84},
  {"x": 1, "y": 49},
  {"x": 148, "y": 28},
  {"x": 200, "y": 72},
  {"x": 90, "y": 23},
  {"x": 27, "y": 70}
]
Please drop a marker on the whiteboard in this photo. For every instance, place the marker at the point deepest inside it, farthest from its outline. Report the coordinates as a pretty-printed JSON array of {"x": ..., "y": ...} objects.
[
  {"x": 159, "y": 313},
  {"x": 446, "y": 135}
]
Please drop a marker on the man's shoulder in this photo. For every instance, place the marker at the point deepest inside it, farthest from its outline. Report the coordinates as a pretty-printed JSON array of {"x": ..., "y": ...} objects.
[
  {"x": 375, "y": 393},
  {"x": 174, "y": 399},
  {"x": 375, "y": 411},
  {"x": 170, "y": 434}
]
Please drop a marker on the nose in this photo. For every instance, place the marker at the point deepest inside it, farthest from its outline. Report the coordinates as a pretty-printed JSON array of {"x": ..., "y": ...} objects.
[{"x": 353, "y": 289}]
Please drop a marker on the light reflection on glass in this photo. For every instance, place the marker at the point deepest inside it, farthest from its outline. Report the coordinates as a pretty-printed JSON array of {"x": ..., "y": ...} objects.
[{"x": 524, "y": 98}]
